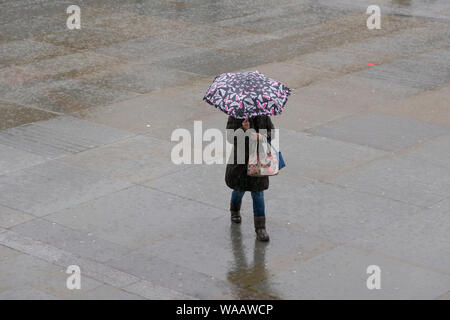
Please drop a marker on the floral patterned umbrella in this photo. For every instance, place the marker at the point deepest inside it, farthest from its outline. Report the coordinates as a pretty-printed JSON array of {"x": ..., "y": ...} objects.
[{"x": 247, "y": 94}]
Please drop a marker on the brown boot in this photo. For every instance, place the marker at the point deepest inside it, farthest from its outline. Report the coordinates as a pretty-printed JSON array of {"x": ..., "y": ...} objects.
[
  {"x": 260, "y": 229},
  {"x": 235, "y": 212}
]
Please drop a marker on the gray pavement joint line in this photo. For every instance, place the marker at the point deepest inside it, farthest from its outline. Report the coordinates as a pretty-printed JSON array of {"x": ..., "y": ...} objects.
[
  {"x": 403, "y": 260},
  {"x": 53, "y": 255},
  {"x": 131, "y": 185},
  {"x": 32, "y": 107},
  {"x": 184, "y": 198}
]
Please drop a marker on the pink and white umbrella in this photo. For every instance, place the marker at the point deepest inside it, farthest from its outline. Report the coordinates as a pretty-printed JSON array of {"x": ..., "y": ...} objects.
[{"x": 247, "y": 94}]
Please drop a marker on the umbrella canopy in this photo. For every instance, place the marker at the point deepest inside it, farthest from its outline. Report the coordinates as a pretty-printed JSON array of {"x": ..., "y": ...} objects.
[{"x": 247, "y": 94}]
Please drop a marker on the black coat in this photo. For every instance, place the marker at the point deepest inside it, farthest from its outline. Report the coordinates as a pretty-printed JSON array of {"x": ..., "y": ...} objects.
[{"x": 236, "y": 174}]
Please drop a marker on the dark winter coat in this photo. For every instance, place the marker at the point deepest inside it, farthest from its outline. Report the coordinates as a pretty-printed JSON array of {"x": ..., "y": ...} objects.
[{"x": 236, "y": 174}]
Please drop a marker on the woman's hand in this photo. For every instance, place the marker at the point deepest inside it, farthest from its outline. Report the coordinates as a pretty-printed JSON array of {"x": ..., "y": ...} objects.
[{"x": 245, "y": 125}]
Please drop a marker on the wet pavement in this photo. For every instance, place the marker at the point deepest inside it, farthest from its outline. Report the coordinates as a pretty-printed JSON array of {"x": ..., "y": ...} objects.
[{"x": 86, "y": 118}]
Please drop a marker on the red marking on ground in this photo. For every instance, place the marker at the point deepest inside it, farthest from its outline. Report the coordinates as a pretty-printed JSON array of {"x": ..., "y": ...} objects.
[{"x": 371, "y": 64}]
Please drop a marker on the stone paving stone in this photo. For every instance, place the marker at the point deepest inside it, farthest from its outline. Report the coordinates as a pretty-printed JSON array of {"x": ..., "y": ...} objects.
[
  {"x": 148, "y": 50},
  {"x": 64, "y": 95},
  {"x": 229, "y": 252},
  {"x": 13, "y": 115},
  {"x": 214, "y": 36},
  {"x": 7, "y": 253},
  {"x": 60, "y": 136},
  {"x": 380, "y": 131},
  {"x": 85, "y": 38},
  {"x": 25, "y": 9},
  {"x": 203, "y": 183},
  {"x": 135, "y": 217},
  {"x": 136, "y": 160},
  {"x": 341, "y": 274},
  {"x": 28, "y": 27},
  {"x": 25, "y": 271},
  {"x": 293, "y": 75},
  {"x": 140, "y": 78},
  {"x": 206, "y": 12},
  {"x": 436, "y": 151},
  {"x": 398, "y": 178},
  {"x": 333, "y": 212},
  {"x": 338, "y": 94},
  {"x": 73, "y": 241},
  {"x": 72, "y": 65},
  {"x": 341, "y": 60},
  {"x": 173, "y": 276},
  {"x": 389, "y": 88},
  {"x": 425, "y": 71},
  {"x": 10, "y": 217},
  {"x": 437, "y": 110},
  {"x": 289, "y": 17},
  {"x": 26, "y": 51},
  {"x": 53, "y": 186},
  {"x": 107, "y": 292},
  {"x": 406, "y": 43},
  {"x": 423, "y": 241},
  {"x": 154, "y": 292},
  {"x": 154, "y": 115},
  {"x": 211, "y": 62},
  {"x": 25, "y": 294},
  {"x": 317, "y": 157},
  {"x": 12, "y": 159},
  {"x": 91, "y": 269}
]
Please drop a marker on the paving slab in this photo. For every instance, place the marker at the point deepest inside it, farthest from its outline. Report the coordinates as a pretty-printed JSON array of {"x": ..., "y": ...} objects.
[
  {"x": 25, "y": 51},
  {"x": 211, "y": 62},
  {"x": 424, "y": 72},
  {"x": 135, "y": 160},
  {"x": 14, "y": 159},
  {"x": 229, "y": 252},
  {"x": 437, "y": 108},
  {"x": 72, "y": 65},
  {"x": 107, "y": 292},
  {"x": 435, "y": 151},
  {"x": 148, "y": 50},
  {"x": 398, "y": 178},
  {"x": 60, "y": 136},
  {"x": 10, "y": 217},
  {"x": 30, "y": 27},
  {"x": 151, "y": 291},
  {"x": 333, "y": 212},
  {"x": 148, "y": 114},
  {"x": 316, "y": 157},
  {"x": 422, "y": 241},
  {"x": 380, "y": 131},
  {"x": 341, "y": 274},
  {"x": 38, "y": 278},
  {"x": 13, "y": 115},
  {"x": 293, "y": 75},
  {"x": 135, "y": 217},
  {"x": 62, "y": 95},
  {"x": 52, "y": 186},
  {"x": 289, "y": 17},
  {"x": 7, "y": 253},
  {"x": 140, "y": 78},
  {"x": 173, "y": 276},
  {"x": 74, "y": 241},
  {"x": 90, "y": 269}
]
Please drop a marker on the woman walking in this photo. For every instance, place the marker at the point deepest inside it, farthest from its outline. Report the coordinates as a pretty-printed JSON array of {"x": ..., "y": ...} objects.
[{"x": 236, "y": 174}]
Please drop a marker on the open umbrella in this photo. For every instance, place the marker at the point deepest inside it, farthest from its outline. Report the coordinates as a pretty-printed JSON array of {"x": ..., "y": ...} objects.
[{"x": 247, "y": 94}]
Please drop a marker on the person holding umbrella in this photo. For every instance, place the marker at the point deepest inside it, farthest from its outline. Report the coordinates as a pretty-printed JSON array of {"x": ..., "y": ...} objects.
[{"x": 249, "y": 98}]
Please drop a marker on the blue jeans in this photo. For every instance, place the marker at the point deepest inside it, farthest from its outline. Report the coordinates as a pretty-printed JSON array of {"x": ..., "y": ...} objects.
[{"x": 258, "y": 201}]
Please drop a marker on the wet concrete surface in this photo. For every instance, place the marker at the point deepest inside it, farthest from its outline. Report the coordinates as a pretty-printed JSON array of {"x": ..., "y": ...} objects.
[{"x": 86, "y": 118}]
